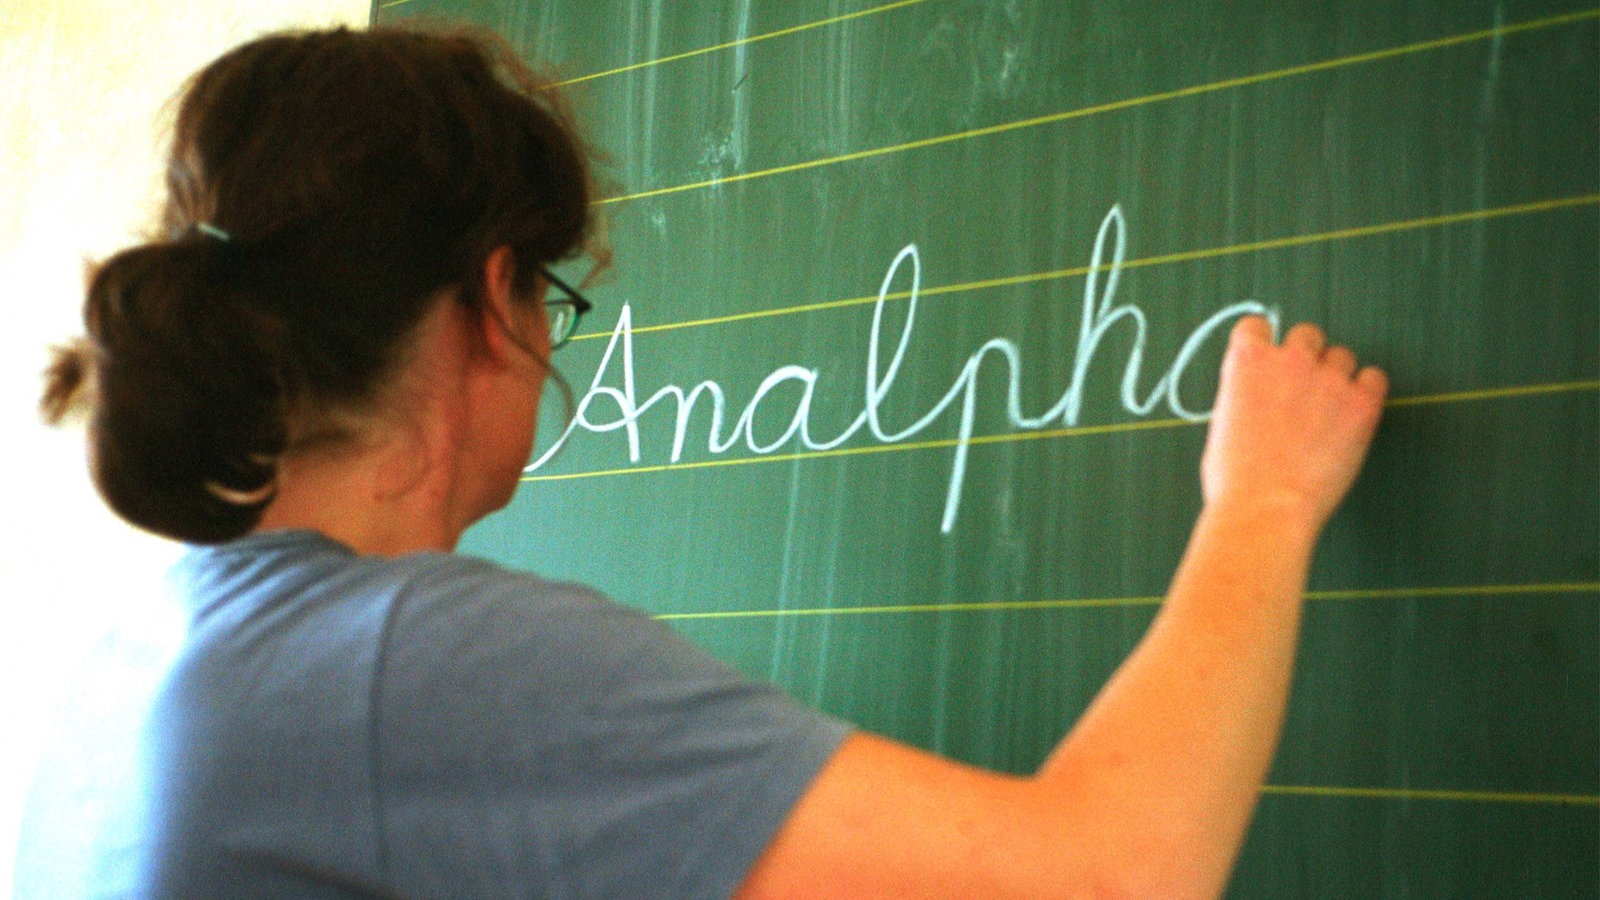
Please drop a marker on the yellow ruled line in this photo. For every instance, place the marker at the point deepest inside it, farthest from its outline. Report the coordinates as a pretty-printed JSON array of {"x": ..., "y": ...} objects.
[
  {"x": 1410, "y": 794},
  {"x": 1204, "y": 253},
  {"x": 834, "y": 20},
  {"x": 1475, "y": 590},
  {"x": 1525, "y": 390},
  {"x": 1496, "y": 393},
  {"x": 1471, "y": 590},
  {"x": 997, "y": 606},
  {"x": 1181, "y": 93}
]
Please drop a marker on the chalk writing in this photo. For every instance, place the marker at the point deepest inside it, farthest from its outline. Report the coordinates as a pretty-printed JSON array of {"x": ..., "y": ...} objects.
[{"x": 1099, "y": 315}]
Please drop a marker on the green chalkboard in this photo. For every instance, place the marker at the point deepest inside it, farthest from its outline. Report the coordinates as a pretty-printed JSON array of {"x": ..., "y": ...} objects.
[{"x": 942, "y": 499}]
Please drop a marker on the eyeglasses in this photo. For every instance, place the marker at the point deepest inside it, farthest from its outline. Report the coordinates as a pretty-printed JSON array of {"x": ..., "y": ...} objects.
[{"x": 563, "y": 312}]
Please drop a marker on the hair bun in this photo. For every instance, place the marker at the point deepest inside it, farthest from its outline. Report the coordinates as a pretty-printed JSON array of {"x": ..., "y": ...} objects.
[{"x": 188, "y": 414}]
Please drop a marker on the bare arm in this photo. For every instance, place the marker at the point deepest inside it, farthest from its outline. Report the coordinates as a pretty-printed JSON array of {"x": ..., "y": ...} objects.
[{"x": 1151, "y": 792}]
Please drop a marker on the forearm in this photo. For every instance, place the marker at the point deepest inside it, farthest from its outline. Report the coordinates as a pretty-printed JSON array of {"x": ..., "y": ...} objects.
[
  {"x": 1150, "y": 794},
  {"x": 1173, "y": 751}
]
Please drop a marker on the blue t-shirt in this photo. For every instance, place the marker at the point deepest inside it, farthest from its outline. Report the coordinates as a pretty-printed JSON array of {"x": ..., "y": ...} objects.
[{"x": 437, "y": 726}]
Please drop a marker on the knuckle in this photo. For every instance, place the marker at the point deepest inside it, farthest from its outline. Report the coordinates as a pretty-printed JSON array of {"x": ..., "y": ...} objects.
[
  {"x": 1306, "y": 336},
  {"x": 1341, "y": 359},
  {"x": 1249, "y": 330}
]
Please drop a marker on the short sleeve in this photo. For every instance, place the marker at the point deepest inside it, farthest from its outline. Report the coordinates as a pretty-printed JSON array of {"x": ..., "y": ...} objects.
[{"x": 535, "y": 739}]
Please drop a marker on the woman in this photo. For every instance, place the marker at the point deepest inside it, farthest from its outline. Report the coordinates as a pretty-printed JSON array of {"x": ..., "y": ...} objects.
[{"x": 330, "y": 366}]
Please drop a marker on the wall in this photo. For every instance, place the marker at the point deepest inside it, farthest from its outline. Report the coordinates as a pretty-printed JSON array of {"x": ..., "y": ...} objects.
[{"x": 85, "y": 83}]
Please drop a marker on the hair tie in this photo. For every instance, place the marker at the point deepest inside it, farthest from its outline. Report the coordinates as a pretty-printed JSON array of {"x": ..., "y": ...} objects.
[{"x": 212, "y": 231}]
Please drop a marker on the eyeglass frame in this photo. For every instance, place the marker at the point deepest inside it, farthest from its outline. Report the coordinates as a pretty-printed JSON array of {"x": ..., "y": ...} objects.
[{"x": 579, "y": 305}]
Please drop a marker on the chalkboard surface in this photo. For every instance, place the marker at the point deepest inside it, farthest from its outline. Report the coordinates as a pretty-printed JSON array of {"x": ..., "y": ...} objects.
[{"x": 891, "y": 395}]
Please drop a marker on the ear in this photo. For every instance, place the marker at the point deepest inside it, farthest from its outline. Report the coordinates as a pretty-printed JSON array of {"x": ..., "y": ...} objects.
[{"x": 508, "y": 323}]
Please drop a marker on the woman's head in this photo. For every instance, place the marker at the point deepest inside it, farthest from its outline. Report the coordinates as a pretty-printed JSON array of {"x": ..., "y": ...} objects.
[{"x": 324, "y": 191}]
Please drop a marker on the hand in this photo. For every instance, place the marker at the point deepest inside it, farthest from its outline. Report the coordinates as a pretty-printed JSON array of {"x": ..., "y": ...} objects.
[{"x": 1292, "y": 422}]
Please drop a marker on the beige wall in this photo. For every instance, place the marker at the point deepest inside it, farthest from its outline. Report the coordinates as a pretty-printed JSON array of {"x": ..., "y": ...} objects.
[{"x": 81, "y": 85}]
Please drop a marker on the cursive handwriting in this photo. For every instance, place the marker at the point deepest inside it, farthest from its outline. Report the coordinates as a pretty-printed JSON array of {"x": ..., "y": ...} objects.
[{"x": 1100, "y": 314}]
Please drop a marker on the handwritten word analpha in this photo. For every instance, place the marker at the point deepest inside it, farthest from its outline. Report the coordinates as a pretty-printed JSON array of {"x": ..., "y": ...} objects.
[{"x": 1099, "y": 315}]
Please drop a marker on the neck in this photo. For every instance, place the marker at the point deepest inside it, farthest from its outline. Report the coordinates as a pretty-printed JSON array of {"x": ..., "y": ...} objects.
[
  {"x": 444, "y": 448},
  {"x": 403, "y": 481},
  {"x": 379, "y": 500}
]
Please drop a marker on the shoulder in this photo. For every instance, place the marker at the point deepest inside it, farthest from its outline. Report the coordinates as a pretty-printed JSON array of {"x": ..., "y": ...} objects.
[
  {"x": 462, "y": 610},
  {"x": 617, "y": 757},
  {"x": 517, "y": 652},
  {"x": 452, "y": 584}
]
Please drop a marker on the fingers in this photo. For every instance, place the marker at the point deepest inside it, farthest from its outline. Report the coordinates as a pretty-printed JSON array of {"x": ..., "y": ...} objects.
[
  {"x": 1251, "y": 330},
  {"x": 1307, "y": 337},
  {"x": 1341, "y": 360},
  {"x": 1256, "y": 331},
  {"x": 1373, "y": 380}
]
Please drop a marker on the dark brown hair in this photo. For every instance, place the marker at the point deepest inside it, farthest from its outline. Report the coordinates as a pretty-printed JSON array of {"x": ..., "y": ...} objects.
[{"x": 323, "y": 188}]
